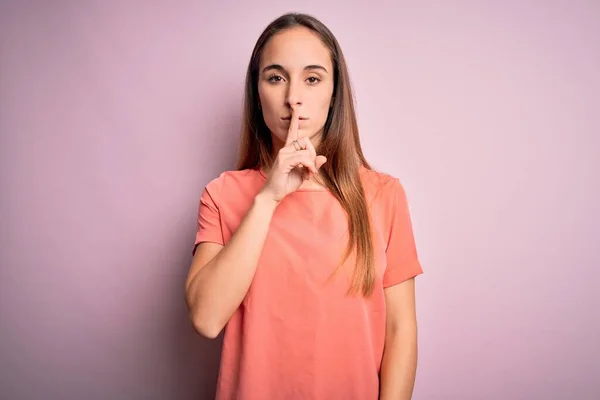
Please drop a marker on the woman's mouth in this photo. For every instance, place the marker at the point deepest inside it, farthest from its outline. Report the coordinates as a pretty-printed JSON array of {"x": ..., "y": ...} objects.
[{"x": 300, "y": 118}]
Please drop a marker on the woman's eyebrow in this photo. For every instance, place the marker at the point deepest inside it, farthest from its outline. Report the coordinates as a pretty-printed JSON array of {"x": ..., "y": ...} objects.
[
  {"x": 280, "y": 68},
  {"x": 315, "y": 66}
]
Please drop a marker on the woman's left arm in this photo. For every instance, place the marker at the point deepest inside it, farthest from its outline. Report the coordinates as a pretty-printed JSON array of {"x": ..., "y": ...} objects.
[{"x": 399, "y": 365}]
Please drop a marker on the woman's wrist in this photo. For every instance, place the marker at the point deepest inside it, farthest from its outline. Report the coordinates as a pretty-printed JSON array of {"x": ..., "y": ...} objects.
[{"x": 265, "y": 201}]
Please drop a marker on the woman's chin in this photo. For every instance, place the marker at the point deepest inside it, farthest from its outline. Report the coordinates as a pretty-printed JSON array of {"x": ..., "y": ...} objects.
[{"x": 282, "y": 136}]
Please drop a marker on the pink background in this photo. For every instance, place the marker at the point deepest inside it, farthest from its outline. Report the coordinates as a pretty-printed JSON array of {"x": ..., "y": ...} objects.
[{"x": 114, "y": 115}]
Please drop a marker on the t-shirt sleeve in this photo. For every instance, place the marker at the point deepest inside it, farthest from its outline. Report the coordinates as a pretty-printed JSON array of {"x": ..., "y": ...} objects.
[
  {"x": 209, "y": 216},
  {"x": 401, "y": 253}
]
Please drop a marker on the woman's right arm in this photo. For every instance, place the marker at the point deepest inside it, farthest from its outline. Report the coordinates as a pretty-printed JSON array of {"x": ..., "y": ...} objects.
[{"x": 220, "y": 276}]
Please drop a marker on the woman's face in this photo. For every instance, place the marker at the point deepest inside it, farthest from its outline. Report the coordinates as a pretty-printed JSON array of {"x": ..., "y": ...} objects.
[{"x": 295, "y": 70}]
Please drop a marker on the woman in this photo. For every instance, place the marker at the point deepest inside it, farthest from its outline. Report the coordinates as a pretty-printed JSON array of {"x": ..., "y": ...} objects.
[{"x": 305, "y": 253}]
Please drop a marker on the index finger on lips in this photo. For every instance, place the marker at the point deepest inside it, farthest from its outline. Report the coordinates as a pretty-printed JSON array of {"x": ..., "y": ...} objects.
[{"x": 293, "y": 129}]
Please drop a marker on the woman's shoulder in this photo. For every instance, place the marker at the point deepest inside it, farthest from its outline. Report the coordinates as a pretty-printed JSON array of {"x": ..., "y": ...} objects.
[
  {"x": 384, "y": 192},
  {"x": 230, "y": 181},
  {"x": 242, "y": 175},
  {"x": 375, "y": 181}
]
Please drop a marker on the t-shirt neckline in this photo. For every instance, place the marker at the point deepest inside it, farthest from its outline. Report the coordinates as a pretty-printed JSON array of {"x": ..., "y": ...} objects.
[{"x": 321, "y": 190}]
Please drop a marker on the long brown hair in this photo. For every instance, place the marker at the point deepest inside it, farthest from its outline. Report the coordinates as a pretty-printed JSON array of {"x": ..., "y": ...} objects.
[{"x": 340, "y": 143}]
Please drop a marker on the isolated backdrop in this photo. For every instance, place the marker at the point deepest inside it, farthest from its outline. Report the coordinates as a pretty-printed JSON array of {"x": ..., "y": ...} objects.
[{"x": 115, "y": 114}]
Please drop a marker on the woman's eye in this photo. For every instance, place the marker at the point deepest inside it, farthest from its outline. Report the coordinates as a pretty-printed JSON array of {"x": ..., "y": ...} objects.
[{"x": 274, "y": 78}]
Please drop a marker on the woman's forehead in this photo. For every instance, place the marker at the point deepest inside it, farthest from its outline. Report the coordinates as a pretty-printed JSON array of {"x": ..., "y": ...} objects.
[{"x": 295, "y": 49}]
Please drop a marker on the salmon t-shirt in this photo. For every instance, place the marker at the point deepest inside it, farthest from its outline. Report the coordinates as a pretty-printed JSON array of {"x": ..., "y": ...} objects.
[{"x": 297, "y": 333}]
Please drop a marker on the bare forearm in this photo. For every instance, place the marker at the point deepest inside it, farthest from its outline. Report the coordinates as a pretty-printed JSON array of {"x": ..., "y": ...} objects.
[
  {"x": 399, "y": 365},
  {"x": 219, "y": 287}
]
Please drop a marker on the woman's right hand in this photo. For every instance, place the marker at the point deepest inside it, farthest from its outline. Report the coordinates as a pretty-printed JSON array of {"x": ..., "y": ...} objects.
[{"x": 292, "y": 166}]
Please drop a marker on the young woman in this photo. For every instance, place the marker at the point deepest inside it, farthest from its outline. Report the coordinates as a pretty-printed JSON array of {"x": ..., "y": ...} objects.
[{"x": 304, "y": 253}]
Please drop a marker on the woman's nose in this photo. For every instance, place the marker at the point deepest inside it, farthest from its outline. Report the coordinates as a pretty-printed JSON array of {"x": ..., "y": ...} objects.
[{"x": 294, "y": 95}]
